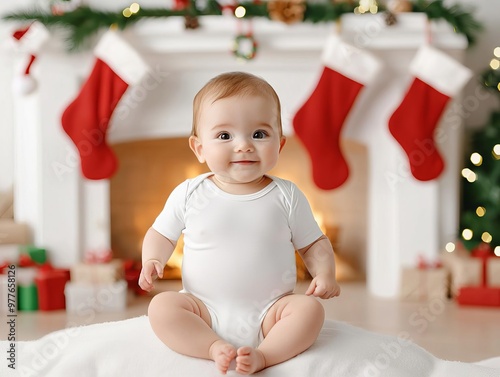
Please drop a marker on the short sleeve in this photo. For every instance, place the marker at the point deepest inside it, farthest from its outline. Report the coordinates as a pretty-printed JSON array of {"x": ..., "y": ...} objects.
[
  {"x": 305, "y": 229},
  {"x": 170, "y": 221}
]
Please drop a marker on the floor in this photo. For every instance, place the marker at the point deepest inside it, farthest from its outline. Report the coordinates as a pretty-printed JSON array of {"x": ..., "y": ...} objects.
[{"x": 445, "y": 329}]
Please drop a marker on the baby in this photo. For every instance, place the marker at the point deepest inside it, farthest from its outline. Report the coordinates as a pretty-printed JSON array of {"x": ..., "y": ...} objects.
[{"x": 241, "y": 229}]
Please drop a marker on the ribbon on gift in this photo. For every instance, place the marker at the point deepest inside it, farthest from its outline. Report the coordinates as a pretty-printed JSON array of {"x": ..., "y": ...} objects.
[
  {"x": 424, "y": 264},
  {"x": 484, "y": 252},
  {"x": 98, "y": 256},
  {"x": 4, "y": 266}
]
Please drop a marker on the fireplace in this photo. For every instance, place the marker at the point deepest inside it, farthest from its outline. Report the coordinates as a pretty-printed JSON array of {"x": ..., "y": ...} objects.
[
  {"x": 398, "y": 218},
  {"x": 150, "y": 170}
]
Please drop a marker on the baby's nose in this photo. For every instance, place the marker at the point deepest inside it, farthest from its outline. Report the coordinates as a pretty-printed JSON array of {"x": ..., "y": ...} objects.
[{"x": 244, "y": 145}]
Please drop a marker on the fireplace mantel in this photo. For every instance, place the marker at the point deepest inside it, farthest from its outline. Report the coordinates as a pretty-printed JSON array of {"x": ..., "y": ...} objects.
[{"x": 69, "y": 214}]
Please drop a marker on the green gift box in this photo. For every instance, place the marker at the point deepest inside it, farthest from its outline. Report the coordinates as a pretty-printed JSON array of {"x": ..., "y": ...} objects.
[{"x": 27, "y": 297}]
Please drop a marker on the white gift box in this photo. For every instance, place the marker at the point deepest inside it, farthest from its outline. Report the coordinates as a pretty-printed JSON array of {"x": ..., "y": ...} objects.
[
  {"x": 82, "y": 297},
  {"x": 98, "y": 273}
]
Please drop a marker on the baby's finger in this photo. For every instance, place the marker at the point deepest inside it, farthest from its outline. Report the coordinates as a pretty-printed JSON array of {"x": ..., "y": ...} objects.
[
  {"x": 320, "y": 291},
  {"x": 159, "y": 270},
  {"x": 144, "y": 284},
  {"x": 147, "y": 278},
  {"x": 311, "y": 288}
]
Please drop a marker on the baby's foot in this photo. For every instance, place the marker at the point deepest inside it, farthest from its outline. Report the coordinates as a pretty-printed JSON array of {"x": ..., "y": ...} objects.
[
  {"x": 222, "y": 353},
  {"x": 249, "y": 360}
]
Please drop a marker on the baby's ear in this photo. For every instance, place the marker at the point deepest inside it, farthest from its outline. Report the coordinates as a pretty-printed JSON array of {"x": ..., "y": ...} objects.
[
  {"x": 197, "y": 148},
  {"x": 282, "y": 142}
]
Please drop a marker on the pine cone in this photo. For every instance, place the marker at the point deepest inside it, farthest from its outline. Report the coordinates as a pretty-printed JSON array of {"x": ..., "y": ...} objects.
[
  {"x": 390, "y": 19},
  {"x": 399, "y": 6},
  {"x": 287, "y": 11},
  {"x": 191, "y": 22}
]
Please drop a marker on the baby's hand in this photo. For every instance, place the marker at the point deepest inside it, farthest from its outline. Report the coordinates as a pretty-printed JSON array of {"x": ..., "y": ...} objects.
[
  {"x": 150, "y": 271},
  {"x": 324, "y": 286}
]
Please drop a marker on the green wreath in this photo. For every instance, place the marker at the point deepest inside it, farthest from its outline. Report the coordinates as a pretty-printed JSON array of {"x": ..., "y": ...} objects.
[{"x": 238, "y": 43}]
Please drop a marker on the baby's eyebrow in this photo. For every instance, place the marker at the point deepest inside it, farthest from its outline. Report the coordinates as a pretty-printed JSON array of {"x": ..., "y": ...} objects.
[
  {"x": 265, "y": 125},
  {"x": 218, "y": 126}
]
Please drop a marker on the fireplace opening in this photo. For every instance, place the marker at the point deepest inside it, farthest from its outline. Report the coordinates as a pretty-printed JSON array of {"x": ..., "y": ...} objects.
[{"x": 151, "y": 169}]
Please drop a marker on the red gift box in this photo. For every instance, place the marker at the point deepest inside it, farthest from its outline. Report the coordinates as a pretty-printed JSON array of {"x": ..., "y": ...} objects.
[
  {"x": 50, "y": 283},
  {"x": 482, "y": 295}
]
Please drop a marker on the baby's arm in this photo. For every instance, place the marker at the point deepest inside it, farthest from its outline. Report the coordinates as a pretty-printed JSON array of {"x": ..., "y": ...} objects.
[
  {"x": 320, "y": 262},
  {"x": 156, "y": 251}
]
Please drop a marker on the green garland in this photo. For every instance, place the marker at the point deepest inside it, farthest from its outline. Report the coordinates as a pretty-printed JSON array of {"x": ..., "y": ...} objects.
[
  {"x": 84, "y": 22},
  {"x": 462, "y": 21}
]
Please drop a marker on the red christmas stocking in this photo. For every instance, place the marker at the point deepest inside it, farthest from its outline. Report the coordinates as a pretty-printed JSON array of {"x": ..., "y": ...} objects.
[
  {"x": 30, "y": 41},
  {"x": 86, "y": 119},
  {"x": 318, "y": 123},
  {"x": 437, "y": 78}
]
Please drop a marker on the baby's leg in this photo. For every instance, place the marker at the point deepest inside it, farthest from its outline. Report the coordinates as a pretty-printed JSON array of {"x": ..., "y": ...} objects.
[
  {"x": 182, "y": 322},
  {"x": 290, "y": 327}
]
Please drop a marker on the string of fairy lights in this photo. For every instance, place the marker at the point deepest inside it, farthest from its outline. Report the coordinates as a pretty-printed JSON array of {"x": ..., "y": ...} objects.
[
  {"x": 495, "y": 64},
  {"x": 365, "y": 6},
  {"x": 491, "y": 82}
]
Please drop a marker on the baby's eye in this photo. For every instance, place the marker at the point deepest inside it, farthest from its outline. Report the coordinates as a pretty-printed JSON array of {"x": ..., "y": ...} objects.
[
  {"x": 259, "y": 134},
  {"x": 224, "y": 136}
]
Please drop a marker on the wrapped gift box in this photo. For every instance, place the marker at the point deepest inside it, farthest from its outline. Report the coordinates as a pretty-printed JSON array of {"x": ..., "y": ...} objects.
[
  {"x": 98, "y": 273},
  {"x": 27, "y": 293},
  {"x": 493, "y": 272},
  {"x": 50, "y": 283},
  {"x": 27, "y": 297},
  {"x": 465, "y": 271},
  {"x": 480, "y": 296},
  {"x": 80, "y": 297},
  {"x": 483, "y": 294},
  {"x": 424, "y": 283}
]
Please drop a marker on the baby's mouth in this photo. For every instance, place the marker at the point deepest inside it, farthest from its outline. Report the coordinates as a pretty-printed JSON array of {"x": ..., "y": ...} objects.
[{"x": 244, "y": 162}]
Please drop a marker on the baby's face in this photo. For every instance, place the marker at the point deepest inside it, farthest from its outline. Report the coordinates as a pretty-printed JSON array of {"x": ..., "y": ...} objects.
[{"x": 238, "y": 137}]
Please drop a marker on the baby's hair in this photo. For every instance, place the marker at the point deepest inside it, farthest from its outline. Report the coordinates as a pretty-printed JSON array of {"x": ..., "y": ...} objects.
[{"x": 234, "y": 84}]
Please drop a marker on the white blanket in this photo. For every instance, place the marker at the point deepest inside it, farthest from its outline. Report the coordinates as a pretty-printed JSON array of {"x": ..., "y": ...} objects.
[{"x": 130, "y": 348}]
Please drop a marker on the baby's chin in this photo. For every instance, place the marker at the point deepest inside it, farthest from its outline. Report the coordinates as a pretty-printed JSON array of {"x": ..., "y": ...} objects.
[{"x": 240, "y": 185}]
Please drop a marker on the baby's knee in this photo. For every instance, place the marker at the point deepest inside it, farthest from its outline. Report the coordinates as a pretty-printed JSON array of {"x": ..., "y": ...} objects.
[
  {"x": 165, "y": 303},
  {"x": 312, "y": 307}
]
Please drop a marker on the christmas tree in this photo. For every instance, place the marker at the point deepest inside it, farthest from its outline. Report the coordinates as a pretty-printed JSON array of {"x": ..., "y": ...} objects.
[{"x": 480, "y": 219}]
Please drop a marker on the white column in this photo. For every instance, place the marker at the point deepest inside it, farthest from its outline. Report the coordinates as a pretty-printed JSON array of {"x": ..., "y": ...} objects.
[{"x": 48, "y": 182}]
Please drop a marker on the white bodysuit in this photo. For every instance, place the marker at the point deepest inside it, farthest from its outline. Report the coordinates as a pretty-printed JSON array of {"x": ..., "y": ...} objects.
[{"x": 239, "y": 250}]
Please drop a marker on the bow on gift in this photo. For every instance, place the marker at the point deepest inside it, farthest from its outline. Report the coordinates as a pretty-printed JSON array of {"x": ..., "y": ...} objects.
[
  {"x": 98, "y": 256},
  {"x": 424, "y": 264}
]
